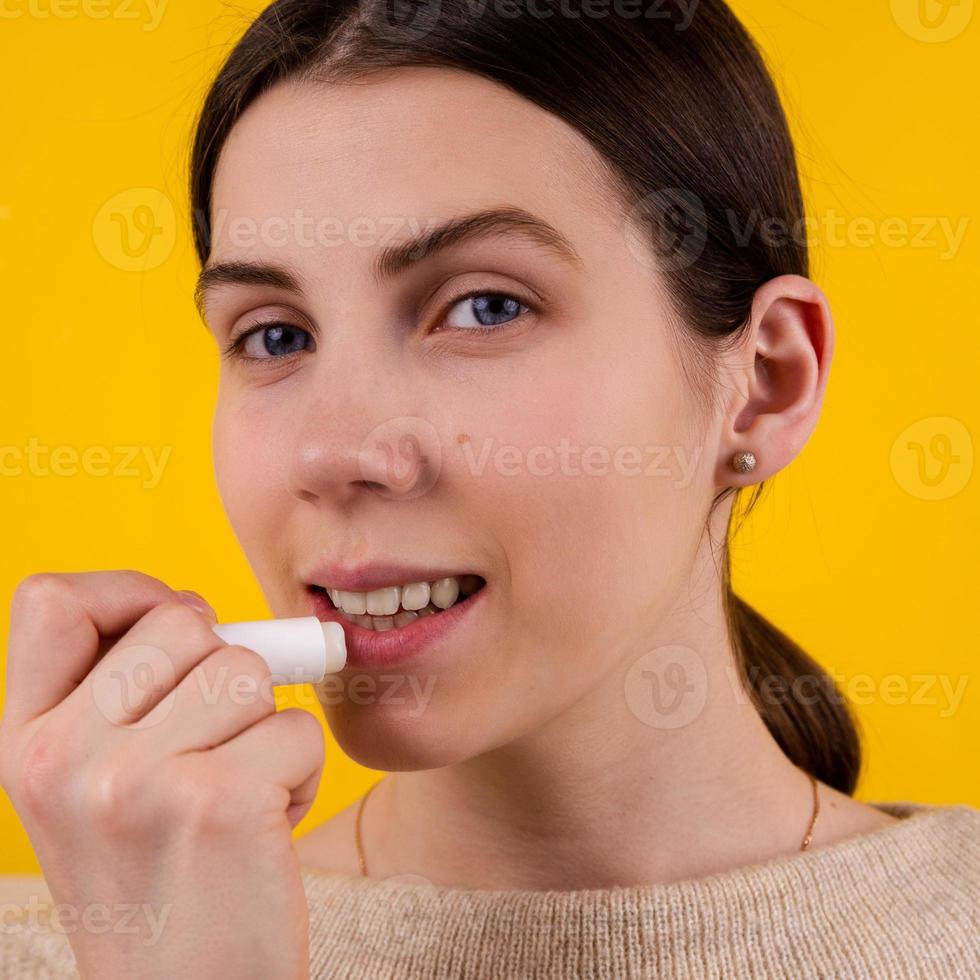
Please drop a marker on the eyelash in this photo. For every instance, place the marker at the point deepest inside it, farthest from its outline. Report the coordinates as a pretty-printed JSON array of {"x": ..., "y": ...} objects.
[{"x": 234, "y": 349}]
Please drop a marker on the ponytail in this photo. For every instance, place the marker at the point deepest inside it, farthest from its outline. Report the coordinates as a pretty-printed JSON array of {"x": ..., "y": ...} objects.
[{"x": 803, "y": 708}]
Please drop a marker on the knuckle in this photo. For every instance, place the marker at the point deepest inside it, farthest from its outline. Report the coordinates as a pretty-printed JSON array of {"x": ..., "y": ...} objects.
[
  {"x": 42, "y": 773},
  {"x": 40, "y": 591},
  {"x": 173, "y": 616},
  {"x": 247, "y": 660},
  {"x": 112, "y": 793},
  {"x": 305, "y": 729},
  {"x": 240, "y": 661}
]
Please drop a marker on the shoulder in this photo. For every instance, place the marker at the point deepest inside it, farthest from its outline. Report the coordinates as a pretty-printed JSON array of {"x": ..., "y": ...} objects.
[
  {"x": 944, "y": 835},
  {"x": 954, "y": 841},
  {"x": 941, "y": 826},
  {"x": 934, "y": 862}
]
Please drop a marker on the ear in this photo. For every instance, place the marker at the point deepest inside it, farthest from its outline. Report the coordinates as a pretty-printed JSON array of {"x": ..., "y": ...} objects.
[{"x": 778, "y": 376}]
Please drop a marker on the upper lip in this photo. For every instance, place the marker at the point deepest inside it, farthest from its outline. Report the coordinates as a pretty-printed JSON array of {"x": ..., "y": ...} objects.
[{"x": 379, "y": 575}]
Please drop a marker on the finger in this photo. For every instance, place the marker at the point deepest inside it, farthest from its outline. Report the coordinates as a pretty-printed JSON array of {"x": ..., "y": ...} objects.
[
  {"x": 57, "y": 622},
  {"x": 227, "y": 692},
  {"x": 146, "y": 664},
  {"x": 285, "y": 749}
]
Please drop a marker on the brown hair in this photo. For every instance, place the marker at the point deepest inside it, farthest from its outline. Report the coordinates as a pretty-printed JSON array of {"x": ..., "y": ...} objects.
[{"x": 685, "y": 117}]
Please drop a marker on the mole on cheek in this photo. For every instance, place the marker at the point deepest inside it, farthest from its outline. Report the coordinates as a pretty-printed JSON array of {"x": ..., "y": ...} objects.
[{"x": 462, "y": 437}]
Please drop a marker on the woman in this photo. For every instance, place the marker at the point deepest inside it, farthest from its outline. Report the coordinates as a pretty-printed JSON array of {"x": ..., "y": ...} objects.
[{"x": 505, "y": 330}]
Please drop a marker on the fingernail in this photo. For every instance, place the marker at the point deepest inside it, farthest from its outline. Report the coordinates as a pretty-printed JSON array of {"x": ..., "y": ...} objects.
[{"x": 197, "y": 601}]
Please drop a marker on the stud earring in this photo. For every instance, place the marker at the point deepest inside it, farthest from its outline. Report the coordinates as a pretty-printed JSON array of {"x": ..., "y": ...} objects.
[{"x": 743, "y": 462}]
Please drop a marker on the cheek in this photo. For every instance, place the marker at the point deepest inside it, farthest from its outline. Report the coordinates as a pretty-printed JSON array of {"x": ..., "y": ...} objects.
[
  {"x": 246, "y": 471},
  {"x": 603, "y": 501},
  {"x": 602, "y": 552}
]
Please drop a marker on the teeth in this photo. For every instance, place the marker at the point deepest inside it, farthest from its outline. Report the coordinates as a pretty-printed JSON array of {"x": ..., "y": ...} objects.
[
  {"x": 383, "y": 602},
  {"x": 382, "y": 623},
  {"x": 395, "y": 606},
  {"x": 445, "y": 592},
  {"x": 416, "y": 595},
  {"x": 354, "y": 603},
  {"x": 412, "y": 597}
]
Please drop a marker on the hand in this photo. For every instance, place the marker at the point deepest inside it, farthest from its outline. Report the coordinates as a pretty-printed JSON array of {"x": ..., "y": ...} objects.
[{"x": 156, "y": 780}]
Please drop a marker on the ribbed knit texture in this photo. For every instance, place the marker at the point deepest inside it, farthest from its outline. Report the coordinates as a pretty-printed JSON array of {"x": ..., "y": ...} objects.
[{"x": 900, "y": 902}]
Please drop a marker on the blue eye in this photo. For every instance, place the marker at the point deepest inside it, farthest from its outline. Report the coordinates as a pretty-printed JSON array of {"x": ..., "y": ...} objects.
[
  {"x": 270, "y": 341},
  {"x": 489, "y": 310}
]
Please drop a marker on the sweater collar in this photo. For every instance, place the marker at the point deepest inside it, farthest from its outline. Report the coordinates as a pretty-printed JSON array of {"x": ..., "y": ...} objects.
[
  {"x": 868, "y": 861},
  {"x": 867, "y": 896}
]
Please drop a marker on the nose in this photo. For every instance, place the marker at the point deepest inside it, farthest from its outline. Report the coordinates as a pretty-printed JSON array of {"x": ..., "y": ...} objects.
[{"x": 343, "y": 449}]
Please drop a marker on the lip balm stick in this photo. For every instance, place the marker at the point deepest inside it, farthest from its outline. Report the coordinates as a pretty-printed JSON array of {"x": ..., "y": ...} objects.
[{"x": 298, "y": 651}]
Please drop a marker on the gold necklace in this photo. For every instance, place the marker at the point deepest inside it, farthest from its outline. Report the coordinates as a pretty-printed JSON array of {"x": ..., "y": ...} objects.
[
  {"x": 358, "y": 843},
  {"x": 816, "y": 812},
  {"x": 362, "y": 861}
]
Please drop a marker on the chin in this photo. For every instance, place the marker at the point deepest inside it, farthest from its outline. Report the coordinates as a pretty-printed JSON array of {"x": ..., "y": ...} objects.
[{"x": 394, "y": 738}]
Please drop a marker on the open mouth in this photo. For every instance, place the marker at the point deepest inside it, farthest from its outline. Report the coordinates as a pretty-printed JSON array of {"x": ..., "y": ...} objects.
[{"x": 399, "y": 605}]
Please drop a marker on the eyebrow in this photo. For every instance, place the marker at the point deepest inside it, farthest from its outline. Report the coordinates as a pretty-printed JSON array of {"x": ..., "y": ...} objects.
[{"x": 395, "y": 259}]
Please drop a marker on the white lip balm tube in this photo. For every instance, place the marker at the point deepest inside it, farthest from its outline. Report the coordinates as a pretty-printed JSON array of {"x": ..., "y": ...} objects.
[{"x": 298, "y": 651}]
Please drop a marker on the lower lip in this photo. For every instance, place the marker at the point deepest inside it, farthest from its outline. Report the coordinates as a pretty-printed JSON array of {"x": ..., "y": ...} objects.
[{"x": 370, "y": 648}]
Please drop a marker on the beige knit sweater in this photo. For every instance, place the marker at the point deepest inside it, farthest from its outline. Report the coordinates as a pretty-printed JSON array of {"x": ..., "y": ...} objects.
[{"x": 900, "y": 902}]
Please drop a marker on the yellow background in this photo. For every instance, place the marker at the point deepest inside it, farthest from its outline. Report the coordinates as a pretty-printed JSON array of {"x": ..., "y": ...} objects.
[{"x": 869, "y": 562}]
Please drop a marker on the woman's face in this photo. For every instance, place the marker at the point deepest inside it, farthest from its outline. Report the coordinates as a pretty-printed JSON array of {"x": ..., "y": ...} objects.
[{"x": 562, "y": 461}]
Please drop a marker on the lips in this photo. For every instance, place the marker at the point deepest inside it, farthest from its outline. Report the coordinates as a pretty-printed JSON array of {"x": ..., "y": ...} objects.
[{"x": 370, "y": 648}]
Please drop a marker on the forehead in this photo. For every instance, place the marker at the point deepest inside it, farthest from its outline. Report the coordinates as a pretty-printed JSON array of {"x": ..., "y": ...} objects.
[{"x": 408, "y": 143}]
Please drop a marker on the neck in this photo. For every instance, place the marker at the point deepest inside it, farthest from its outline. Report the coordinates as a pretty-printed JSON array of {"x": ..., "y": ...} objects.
[{"x": 625, "y": 787}]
